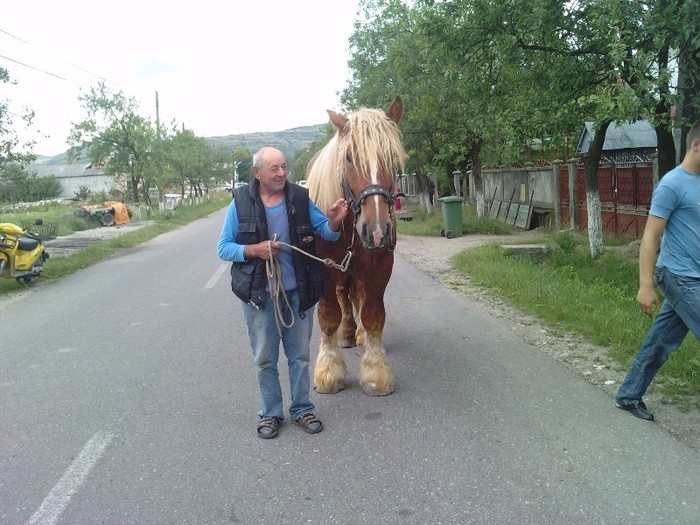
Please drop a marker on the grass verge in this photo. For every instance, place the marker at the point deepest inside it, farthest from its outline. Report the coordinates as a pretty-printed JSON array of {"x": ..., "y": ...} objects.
[
  {"x": 570, "y": 291},
  {"x": 430, "y": 224}
]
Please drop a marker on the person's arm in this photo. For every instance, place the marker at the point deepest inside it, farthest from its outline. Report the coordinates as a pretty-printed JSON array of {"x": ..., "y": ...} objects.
[
  {"x": 328, "y": 227},
  {"x": 646, "y": 296},
  {"x": 230, "y": 250}
]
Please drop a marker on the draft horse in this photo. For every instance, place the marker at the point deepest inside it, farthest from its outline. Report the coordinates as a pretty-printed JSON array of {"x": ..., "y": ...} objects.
[{"x": 358, "y": 164}]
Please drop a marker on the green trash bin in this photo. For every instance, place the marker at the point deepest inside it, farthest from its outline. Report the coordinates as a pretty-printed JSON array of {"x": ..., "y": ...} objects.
[{"x": 451, "y": 216}]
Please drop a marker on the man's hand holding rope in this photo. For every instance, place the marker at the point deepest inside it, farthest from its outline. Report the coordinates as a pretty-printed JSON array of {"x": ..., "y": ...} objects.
[{"x": 265, "y": 250}]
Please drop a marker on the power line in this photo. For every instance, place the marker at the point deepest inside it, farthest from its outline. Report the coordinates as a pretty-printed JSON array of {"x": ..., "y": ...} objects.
[
  {"x": 32, "y": 67},
  {"x": 56, "y": 57}
]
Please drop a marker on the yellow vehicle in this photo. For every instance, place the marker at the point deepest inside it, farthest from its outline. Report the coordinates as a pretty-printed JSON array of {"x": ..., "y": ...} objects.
[{"x": 22, "y": 253}]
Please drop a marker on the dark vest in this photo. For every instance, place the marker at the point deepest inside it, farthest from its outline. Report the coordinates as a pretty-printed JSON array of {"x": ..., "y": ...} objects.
[{"x": 248, "y": 279}]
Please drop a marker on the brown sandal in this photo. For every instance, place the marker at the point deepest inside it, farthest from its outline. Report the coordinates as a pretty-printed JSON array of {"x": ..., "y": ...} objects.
[
  {"x": 268, "y": 427},
  {"x": 308, "y": 423}
]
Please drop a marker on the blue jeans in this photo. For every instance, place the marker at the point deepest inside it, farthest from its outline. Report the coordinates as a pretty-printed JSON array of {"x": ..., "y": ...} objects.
[
  {"x": 265, "y": 344},
  {"x": 679, "y": 313}
]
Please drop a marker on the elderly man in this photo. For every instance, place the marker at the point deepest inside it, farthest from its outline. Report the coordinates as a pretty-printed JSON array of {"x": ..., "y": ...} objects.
[{"x": 263, "y": 221}]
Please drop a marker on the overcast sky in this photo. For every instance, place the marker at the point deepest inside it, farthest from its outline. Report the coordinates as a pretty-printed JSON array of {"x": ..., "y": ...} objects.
[{"x": 219, "y": 67}]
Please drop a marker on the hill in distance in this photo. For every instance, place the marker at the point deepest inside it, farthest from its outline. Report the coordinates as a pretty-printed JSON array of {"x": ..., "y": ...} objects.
[{"x": 288, "y": 142}]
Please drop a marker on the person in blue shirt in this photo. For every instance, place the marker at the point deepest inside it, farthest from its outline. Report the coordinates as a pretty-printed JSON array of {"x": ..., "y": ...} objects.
[
  {"x": 674, "y": 217},
  {"x": 277, "y": 284}
]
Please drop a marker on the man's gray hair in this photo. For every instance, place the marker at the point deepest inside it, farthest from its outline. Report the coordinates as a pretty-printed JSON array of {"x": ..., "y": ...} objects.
[{"x": 257, "y": 159}]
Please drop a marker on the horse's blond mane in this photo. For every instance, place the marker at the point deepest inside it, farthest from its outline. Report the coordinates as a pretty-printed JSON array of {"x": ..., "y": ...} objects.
[{"x": 371, "y": 140}]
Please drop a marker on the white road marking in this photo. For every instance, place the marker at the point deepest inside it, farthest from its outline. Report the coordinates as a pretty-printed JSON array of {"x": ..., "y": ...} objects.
[
  {"x": 56, "y": 502},
  {"x": 217, "y": 275}
]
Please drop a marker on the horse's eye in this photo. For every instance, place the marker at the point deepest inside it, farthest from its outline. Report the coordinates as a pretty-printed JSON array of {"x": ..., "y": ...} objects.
[{"x": 348, "y": 159}]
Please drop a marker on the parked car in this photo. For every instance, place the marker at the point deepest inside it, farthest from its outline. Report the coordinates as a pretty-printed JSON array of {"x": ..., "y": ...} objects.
[{"x": 240, "y": 185}]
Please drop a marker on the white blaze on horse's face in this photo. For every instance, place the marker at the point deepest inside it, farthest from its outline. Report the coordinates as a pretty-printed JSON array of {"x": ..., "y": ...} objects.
[
  {"x": 378, "y": 233},
  {"x": 374, "y": 223}
]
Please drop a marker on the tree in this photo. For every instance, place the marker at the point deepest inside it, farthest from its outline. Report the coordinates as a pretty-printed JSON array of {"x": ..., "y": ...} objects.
[
  {"x": 242, "y": 162},
  {"x": 303, "y": 156},
  {"x": 19, "y": 185},
  {"x": 612, "y": 61},
  {"x": 481, "y": 79},
  {"x": 117, "y": 137},
  {"x": 191, "y": 160},
  {"x": 12, "y": 152}
]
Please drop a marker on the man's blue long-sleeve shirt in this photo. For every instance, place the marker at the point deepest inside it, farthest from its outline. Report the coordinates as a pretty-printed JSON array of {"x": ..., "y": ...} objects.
[{"x": 230, "y": 250}]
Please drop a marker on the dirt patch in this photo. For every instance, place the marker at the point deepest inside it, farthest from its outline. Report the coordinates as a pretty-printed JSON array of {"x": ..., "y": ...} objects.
[{"x": 432, "y": 256}]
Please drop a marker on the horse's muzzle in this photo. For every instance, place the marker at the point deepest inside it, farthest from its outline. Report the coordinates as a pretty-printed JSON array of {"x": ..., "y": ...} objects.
[{"x": 379, "y": 236}]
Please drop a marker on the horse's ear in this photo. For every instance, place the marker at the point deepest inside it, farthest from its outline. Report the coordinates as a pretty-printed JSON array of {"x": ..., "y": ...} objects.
[
  {"x": 395, "y": 111},
  {"x": 338, "y": 121}
]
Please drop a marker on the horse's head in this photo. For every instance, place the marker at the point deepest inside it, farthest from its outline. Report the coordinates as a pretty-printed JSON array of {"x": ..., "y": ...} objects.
[{"x": 368, "y": 154}]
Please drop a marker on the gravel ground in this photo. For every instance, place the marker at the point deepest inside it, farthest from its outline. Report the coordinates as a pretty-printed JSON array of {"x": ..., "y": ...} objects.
[{"x": 432, "y": 254}]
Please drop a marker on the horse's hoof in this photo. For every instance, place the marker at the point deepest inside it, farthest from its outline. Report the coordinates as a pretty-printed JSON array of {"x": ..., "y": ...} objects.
[
  {"x": 333, "y": 389},
  {"x": 371, "y": 389}
]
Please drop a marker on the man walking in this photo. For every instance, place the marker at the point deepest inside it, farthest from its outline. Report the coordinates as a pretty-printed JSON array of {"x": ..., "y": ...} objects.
[{"x": 674, "y": 216}]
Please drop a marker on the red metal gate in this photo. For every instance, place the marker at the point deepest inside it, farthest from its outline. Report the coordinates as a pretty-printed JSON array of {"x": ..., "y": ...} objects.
[{"x": 625, "y": 190}]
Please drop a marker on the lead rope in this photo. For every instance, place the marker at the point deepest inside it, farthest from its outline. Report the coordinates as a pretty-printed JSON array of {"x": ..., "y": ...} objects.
[{"x": 274, "y": 279}]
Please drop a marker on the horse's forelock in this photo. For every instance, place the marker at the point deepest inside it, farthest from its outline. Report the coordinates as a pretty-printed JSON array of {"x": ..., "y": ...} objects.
[{"x": 376, "y": 145}]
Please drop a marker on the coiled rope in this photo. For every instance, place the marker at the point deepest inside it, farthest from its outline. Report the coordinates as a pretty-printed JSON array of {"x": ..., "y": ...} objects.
[{"x": 273, "y": 269}]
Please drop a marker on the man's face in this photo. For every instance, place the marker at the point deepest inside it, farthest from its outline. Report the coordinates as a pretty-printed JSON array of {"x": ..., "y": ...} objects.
[{"x": 273, "y": 174}]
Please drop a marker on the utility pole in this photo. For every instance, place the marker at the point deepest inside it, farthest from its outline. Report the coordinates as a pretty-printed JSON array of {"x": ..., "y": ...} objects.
[{"x": 161, "y": 199}]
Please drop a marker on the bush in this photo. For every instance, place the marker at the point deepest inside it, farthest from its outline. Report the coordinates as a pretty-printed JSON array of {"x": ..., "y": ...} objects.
[
  {"x": 18, "y": 185},
  {"x": 83, "y": 193}
]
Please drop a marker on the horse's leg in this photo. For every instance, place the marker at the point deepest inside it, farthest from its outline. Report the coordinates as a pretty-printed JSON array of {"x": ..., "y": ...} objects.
[
  {"x": 375, "y": 376},
  {"x": 357, "y": 293},
  {"x": 330, "y": 371},
  {"x": 346, "y": 332}
]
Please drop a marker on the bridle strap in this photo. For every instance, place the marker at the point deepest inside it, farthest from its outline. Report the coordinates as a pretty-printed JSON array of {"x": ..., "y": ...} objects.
[
  {"x": 356, "y": 203},
  {"x": 367, "y": 191}
]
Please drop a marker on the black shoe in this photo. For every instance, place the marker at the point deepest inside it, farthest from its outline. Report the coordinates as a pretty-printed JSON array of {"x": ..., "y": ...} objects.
[
  {"x": 268, "y": 427},
  {"x": 637, "y": 409}
]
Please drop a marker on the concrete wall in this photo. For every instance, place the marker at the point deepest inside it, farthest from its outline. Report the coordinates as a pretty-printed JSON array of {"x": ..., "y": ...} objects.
[
  {"x": 96, "y": 183},
  {"x": 522, "y": 185}
]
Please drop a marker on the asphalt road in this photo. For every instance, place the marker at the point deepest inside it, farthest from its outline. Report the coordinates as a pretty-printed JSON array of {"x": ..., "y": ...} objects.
[{"x": 127, "y": 396}]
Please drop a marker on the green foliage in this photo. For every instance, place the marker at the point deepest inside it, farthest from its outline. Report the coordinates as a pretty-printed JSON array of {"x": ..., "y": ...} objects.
[
  {"x": 304, "y": 155},
  {"x": 485, "y": 82},
  {"x": 83, "y": 193},
  {"x": 565, "y": 241},
  {"x": 115, "y": 136},
  {"x": 11, "y": 150},
  {"x": 19, "y": 185}
]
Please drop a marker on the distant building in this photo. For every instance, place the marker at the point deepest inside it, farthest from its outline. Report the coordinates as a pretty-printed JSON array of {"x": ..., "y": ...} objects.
[
  {"x": 73, "y": 176},
  {"x": 627, "y": 142}
]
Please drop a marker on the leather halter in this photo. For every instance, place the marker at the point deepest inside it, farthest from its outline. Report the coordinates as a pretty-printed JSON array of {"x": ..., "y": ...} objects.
[
  {"x": 356, "y": 203},
  {"x": 367, "y": 191}
]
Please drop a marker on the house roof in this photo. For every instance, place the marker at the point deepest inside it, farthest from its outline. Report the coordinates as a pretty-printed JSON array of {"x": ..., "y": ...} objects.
[
  {"x": 628, "y": 135},
  {"x": 76, "y": 169}
]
